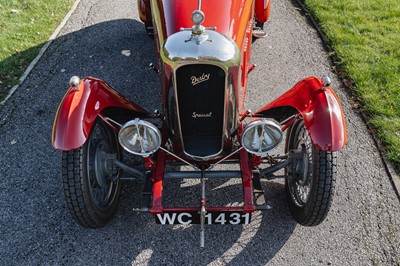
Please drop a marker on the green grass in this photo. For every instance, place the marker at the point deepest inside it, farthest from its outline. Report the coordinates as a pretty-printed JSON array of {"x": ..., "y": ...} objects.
[
  {"x": 25, "y": 25},
  {"x": 365, "y": 38}
]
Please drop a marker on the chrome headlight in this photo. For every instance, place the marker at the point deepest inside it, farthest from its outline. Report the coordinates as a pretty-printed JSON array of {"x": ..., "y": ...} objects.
[
  {"x": 261, "y": 136},
  {"x": 140, "y": 137}
]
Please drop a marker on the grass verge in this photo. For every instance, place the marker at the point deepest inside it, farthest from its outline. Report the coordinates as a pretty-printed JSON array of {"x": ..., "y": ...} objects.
[
  {"x": 25, "y": 26},
  {"x": 365, "y": 38}
]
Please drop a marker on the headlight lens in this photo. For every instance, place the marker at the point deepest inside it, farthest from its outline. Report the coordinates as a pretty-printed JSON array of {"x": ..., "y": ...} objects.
[
  {"x": 140, "y": 137},
  {"x": 261, "y": 136}
]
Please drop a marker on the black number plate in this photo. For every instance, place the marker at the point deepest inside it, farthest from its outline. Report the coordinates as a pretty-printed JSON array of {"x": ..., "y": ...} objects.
[{"x": 212, "y": 217}]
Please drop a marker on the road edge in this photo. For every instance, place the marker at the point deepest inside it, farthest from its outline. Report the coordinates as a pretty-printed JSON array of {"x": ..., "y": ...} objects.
[
  {"x": 41, "y": 52},
  {"x": 393, "y": 176}
]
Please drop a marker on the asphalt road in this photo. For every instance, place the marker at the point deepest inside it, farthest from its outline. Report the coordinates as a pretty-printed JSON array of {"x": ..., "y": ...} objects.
[{"x": 363, "y": 227}]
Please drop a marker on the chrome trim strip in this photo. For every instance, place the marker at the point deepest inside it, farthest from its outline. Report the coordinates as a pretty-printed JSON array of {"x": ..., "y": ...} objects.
[
  {"x": 107, "y": 119},
  {"x": 223, "y": 159},
  {"x": 180, "y": 159}
]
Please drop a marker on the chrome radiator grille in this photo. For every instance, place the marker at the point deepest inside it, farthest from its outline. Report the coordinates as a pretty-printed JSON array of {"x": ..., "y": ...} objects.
[{"x": 201, "y": 93}]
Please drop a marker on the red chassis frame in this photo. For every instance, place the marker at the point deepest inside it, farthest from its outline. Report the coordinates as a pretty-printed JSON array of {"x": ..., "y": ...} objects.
[{"x": 158, "y": 178}]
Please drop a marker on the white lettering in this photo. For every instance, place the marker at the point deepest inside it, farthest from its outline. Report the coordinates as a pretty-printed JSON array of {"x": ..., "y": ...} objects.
[
  {"x": 220, "y": 219},
  {"x": 197, "y": 80},
  {"x": 235, "y": 218},
  {"x": 208, "y": 218},
  {"x": 196, "y": 115},
  {"x": 165, "y": 217},
  {"x": 180, "y": 218},
  {"x": 246, "y": 217}
]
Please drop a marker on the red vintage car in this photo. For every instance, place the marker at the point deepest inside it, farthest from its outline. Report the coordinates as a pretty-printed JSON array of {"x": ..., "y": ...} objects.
[{"x": 203, "y": 51}]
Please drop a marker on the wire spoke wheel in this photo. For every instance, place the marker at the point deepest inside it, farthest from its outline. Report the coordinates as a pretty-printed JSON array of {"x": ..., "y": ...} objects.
[
  {"x": 311, "y": 177},
  {"x": 301, "y": 182},
  {"x": 91, "y": 185}
]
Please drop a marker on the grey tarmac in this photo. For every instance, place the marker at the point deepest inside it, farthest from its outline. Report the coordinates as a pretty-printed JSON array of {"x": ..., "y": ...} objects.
[{"x": 105, "y": 39}]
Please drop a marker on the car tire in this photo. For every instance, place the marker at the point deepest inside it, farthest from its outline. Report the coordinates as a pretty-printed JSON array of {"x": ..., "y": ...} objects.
[
  {"x": 311, "y": 178},
  {"x": 91, "y": 189}
]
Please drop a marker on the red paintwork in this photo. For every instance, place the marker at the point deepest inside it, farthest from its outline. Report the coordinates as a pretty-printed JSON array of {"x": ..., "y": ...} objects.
[
  {"x": 144, "y": 11},
  {"x": 321, "y": 111},
  {"x": 79, "y": 110},
  {"x": 231, "y": 17},
  {"x": 262, "y": 9},
  {"x": 247, "y": 175},
  {"x": 158, "y": 178}
]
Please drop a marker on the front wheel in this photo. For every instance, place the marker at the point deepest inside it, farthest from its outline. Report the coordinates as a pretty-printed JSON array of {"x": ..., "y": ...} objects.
[
  {"x": 311, "y": 177},
  {"x": 91, "y": 188}
]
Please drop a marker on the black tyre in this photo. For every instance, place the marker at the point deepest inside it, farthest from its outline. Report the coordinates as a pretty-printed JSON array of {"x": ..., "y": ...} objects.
[
  {"x": 312, "y": 175},
  {"x": 91, "y": 191}
]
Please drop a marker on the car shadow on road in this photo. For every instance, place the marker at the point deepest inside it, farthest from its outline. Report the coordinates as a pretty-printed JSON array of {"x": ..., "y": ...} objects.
[
  {"x": 224, "y": 244},
  {"x": 118, "y": 52}
]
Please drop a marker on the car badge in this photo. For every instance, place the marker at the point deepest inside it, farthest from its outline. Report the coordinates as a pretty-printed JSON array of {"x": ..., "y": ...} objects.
[
  {"x": 197, "y": 115},
  {"x": 197, "y": 80}
]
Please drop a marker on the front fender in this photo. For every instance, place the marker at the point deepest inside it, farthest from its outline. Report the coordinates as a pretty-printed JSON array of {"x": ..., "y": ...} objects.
[
  {"x": 321, "y": 110},
  {"x": 262, "y": 10},
  {"x": 144, "y": 11},
  {"x": 79, "y": 109}
]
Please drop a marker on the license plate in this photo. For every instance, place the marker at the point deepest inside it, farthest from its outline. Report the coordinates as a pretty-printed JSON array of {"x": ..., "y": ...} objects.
[{"x": 212, "y": 217}]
